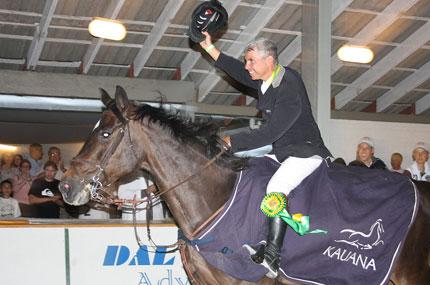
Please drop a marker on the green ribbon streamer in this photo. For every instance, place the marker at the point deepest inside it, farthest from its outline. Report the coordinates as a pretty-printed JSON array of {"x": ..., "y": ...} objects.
[{"x": 301, "y": 227}]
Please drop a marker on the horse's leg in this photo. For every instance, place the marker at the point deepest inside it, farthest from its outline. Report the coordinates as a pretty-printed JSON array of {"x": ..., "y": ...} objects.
[
  {"x": 413, "y": 265},
  {"x": 202, "y": 273}
]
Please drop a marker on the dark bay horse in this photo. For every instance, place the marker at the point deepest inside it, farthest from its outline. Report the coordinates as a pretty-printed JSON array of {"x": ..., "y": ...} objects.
[{"x": 196, "y": 177}]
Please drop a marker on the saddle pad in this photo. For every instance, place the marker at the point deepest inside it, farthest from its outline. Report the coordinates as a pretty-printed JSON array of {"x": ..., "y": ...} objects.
[{"x": 367, "y": 213}]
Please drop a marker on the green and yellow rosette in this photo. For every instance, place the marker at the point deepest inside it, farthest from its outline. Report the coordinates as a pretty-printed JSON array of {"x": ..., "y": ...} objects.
[{"x": 274, "y": 204}]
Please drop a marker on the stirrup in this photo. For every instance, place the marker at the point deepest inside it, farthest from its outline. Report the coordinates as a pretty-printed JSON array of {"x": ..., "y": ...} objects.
[
  {"x": 252, "y": 251},
  {"x": 272, "y": 274},
  {"x": 256, "y": 252}
]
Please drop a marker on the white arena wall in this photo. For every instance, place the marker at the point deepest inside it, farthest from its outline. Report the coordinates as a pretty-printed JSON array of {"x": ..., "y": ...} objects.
[{"x": 342, "y": 136}]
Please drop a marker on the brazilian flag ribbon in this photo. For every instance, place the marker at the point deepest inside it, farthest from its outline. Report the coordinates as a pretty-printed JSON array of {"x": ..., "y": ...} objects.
[{"x": 274, "y": 204}]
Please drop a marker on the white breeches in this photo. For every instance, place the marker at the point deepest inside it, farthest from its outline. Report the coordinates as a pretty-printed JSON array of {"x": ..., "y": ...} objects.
[{"x": 291, "y": 172}]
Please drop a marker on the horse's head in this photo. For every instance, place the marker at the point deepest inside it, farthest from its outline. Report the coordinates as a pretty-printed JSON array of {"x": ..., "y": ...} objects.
[{"x": 107, "y": 155}]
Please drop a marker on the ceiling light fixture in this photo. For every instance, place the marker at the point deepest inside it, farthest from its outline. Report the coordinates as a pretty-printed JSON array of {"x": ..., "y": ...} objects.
[
  {"x": 353, "y": 53},
  {"x": 107, "y": 29},
  {"x": 5, "y": 147}
]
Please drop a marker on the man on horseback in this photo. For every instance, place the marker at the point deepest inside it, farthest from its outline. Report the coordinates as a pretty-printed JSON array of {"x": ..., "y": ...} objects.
[{"x": 289, "y": 129}]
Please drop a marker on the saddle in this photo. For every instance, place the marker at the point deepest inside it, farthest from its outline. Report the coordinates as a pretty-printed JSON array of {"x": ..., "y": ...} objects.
[{"x": 366, "y": 213}]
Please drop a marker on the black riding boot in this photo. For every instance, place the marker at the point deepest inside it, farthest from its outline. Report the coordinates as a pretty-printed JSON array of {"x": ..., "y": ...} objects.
[
  {"x": 272, "y": 251},
  {"x": 269, "y": 255}
]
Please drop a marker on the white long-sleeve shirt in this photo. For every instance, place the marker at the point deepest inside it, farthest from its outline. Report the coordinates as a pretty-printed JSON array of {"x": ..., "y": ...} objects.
[
  {"x": 9, "y": 208},
  {"x": 416, "y": 173}
]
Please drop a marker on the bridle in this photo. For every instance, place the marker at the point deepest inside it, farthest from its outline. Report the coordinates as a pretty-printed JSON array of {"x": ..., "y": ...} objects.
[
  {"x": 96, "y": 191},
  {"x": 99, "y": 195}
]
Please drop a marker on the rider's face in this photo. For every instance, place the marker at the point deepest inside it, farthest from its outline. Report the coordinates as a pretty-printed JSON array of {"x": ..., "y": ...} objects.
[{"x": 260, "y": 67}]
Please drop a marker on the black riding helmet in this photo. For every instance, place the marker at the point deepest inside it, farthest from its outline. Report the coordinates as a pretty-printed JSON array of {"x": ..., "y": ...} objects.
[{"x": 209, "y": 16}]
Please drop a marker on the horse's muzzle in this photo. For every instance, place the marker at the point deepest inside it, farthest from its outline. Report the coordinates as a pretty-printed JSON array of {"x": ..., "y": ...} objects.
[{"x": 74, "y": 192}]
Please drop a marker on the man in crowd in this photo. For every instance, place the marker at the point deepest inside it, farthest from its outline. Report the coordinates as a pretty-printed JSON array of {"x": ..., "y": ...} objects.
[
  {"x": 396, "y": 164},
  {"x": 54, "y": 155},
  {"x": 35, "y": 157},
  {"x": 366, "y": 155}
]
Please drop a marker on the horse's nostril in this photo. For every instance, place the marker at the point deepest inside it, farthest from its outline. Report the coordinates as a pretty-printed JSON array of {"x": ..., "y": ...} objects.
[{"x": 65, "y": 187}]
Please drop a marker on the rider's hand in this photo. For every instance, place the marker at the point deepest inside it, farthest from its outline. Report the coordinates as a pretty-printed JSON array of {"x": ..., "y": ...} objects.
[
  {"x": 207, "y": 42},
  {"x": 227, "y": 141},
  {"x": 208, "y": 46}
]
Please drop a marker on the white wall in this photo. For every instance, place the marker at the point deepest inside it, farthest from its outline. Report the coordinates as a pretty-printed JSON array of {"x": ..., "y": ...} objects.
[{"x": 342, "y": 136}]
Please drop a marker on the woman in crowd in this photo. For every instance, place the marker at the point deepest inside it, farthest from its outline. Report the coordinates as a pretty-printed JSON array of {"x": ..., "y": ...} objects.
[
  {"x": 17, "y": 159},
  {"x": 21, "y": 187},
  {"x": 7, "y": 169},
  {"x": 420, "y": 169}
]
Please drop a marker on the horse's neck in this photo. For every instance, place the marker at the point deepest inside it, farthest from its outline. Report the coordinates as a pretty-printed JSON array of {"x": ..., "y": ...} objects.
[
  {"x": 205, "y": 191},
  {"x": 195, "y": 201}
]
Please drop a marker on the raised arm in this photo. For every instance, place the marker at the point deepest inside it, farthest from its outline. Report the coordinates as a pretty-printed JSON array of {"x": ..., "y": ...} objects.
[
  {"x": 232, "y": 66},
  {"x": 209, "y": 47}
]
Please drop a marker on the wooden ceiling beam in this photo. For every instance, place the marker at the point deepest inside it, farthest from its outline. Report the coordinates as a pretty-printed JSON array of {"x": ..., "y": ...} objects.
[
  {"x": 40, "y": 35},
  {"x": 111, "y": 13},
  {"x": 419, "y": 38},
  {"x": 163, "y": 22},
  {"x": 87, "y": 86},
  {"x": 422, "y": 104},
  {"x": 404, "y": 87},
  {"x": 375, "y": 27}
]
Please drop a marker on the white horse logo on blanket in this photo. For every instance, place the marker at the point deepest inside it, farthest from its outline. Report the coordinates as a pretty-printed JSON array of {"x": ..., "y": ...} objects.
[{"x": 364, "y": 241}]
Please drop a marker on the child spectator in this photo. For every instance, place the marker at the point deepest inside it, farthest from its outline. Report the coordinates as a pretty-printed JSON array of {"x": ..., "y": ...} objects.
[{"x": 9, "y": 207}]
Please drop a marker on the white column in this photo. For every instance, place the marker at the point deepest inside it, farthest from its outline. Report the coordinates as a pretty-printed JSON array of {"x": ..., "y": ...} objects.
[{"x": 316, "y": 55}]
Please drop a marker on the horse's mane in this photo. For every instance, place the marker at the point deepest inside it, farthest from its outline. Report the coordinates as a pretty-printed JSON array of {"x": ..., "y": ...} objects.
[{"x": 183, "y": 129}]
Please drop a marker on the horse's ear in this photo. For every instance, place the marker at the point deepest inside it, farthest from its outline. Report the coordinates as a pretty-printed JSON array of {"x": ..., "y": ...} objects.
[
  {"x": 121, "y": 98},
  {"x": 106, "y": 99}
]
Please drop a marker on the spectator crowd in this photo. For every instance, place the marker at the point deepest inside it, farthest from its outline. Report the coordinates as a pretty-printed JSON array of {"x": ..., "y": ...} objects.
[
  {"x": 29, "y": 185},
  {"x": 365, "y": 157},
  {"x": 29, "y": 188}
]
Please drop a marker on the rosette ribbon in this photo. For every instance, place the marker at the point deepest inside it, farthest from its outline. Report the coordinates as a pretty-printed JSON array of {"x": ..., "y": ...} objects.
[{"x": 274, "y": 204}]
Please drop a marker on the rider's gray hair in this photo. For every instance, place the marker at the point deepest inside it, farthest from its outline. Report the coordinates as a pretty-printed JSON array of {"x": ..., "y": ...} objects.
[{"x": 265, "y": 47}]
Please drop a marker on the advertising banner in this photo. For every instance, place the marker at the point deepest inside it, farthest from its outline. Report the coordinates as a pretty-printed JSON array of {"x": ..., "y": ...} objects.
[
  {"x": 112, "y": 256},
  {"x": 82, "y": 255}
]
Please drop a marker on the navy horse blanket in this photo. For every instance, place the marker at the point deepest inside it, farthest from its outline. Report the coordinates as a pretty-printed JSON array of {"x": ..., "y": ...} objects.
[{"x": 366, "y": 213}]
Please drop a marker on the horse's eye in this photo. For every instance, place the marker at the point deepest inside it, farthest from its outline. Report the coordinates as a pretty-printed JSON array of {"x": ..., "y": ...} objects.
[{"x": 105, "y": 135}]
